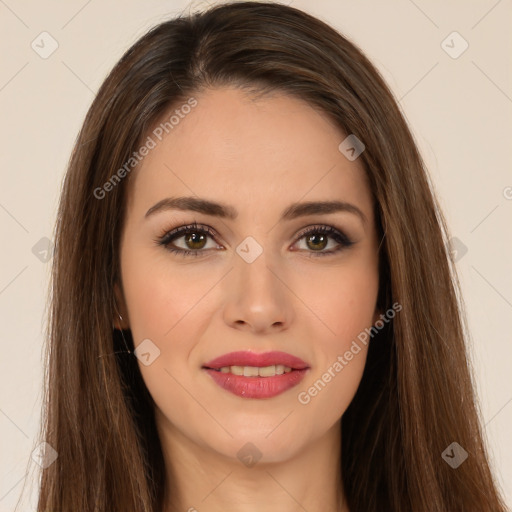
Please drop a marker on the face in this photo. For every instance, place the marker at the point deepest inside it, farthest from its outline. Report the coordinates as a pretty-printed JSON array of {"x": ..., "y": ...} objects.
[{"x": 265, "y": 277}]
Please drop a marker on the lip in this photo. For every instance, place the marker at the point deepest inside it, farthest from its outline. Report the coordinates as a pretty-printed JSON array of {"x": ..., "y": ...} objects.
[
  {"x": 257, "y": 387},
  {"x": 247, "y": 358}
]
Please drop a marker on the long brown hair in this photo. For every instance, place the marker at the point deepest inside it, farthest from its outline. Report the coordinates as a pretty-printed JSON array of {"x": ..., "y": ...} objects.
[{"x": 416, "y": 396}]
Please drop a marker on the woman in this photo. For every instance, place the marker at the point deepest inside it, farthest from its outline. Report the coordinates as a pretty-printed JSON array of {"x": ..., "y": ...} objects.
[{"x": 252, "y": 303}]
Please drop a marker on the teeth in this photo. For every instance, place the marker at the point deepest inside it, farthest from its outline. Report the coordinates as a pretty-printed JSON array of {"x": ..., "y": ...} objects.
[
  {"x": 256, "y": 371},
  {"x": 250, "y": 371},
  {"x": 267, "y": 371},
  {"x": 237, "y": 370}
]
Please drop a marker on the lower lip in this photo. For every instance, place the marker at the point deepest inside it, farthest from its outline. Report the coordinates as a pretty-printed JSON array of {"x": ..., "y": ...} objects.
[{"x": 257, "y": 387}]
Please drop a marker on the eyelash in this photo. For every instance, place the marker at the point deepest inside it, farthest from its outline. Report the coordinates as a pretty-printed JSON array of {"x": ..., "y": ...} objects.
[{"x": 168, "y": 236}]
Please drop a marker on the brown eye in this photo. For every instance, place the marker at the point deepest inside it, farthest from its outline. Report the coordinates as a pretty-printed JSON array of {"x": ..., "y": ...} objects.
[
  {"x": 317, "y": 238},
  {"x": 317, "y": 241},
  {"x": 195, "y": 239}
]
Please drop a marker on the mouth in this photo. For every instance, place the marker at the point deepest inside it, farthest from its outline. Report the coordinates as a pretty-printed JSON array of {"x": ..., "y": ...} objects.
[
  {"x": 254, "y": 371},
  {"x": 251, "y": 375}
]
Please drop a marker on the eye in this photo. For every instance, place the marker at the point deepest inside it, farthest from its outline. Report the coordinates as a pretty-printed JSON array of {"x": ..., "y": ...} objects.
[
  {"x": 317, "y": 238},
  {"x": 195, "y": 240},
  {"x": 194, "y": 237}
]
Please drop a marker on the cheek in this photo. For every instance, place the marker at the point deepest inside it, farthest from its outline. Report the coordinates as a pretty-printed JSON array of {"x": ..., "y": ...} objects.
[
  {"x": 160, "y": 296},
  {"x": 341, "y": 300},
  {"x": 343, "y": 303},
  {"x": 164, "y": 306},
  {"x": 350, "y": 307},
  {"x": 170, "y": 306}
]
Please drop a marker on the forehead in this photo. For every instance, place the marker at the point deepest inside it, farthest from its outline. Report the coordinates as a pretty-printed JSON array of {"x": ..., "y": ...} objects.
[{"x": 251, "y": 153}]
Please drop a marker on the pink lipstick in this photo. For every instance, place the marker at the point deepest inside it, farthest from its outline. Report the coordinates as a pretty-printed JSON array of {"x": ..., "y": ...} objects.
[{"x": 252, "y": 375}]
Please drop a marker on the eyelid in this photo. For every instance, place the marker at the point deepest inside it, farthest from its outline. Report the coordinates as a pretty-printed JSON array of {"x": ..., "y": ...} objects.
[
  {"x": 339, "y": 235},
  {"x": 169, "y": 234},
  {"x": 332, "y": 232}
]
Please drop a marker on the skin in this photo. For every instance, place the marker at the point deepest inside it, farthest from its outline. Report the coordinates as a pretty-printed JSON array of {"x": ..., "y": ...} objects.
[{"x": 259, "y": 156}]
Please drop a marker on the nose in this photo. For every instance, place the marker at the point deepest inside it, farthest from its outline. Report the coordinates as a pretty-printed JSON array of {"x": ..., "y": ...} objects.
[{"x": 258, "y": 298}]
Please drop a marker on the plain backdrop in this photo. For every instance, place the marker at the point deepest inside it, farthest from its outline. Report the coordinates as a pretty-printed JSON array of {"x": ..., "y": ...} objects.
[{"x": 454, "y": 89}]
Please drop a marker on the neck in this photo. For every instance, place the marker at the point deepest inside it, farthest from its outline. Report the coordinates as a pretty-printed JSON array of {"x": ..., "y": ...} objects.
[{"x": 201, "y": 479}]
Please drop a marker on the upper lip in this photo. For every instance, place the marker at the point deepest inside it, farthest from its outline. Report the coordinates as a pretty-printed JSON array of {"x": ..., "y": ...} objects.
[{"x": 247, "y": 358}]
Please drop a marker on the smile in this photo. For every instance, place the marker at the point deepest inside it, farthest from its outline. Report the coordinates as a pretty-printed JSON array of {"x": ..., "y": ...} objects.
[
  {"x": 256, "y": 371},
  {"x": 251, "y": 375}
]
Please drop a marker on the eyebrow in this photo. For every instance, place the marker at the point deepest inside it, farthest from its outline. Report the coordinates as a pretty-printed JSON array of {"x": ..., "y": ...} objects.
[{"x": 224, "y": 211}]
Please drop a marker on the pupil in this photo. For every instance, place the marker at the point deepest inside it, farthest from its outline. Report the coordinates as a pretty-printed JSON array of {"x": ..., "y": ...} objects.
[
  {"x": 195, "y": 238},
  {"x": 311, "y": 238}
]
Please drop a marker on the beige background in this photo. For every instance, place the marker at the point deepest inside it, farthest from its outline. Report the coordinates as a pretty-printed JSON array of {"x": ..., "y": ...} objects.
[{"x": 460, "y": 110}]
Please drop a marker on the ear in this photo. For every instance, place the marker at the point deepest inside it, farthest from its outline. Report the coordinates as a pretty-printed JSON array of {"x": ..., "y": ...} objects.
[{"x": 119, "y": 324}]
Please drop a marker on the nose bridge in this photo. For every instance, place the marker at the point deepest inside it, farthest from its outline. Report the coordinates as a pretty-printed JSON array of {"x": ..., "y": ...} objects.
[
  {"x": 258, "y": 297},
  {"x": 254, "y": 264}
]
